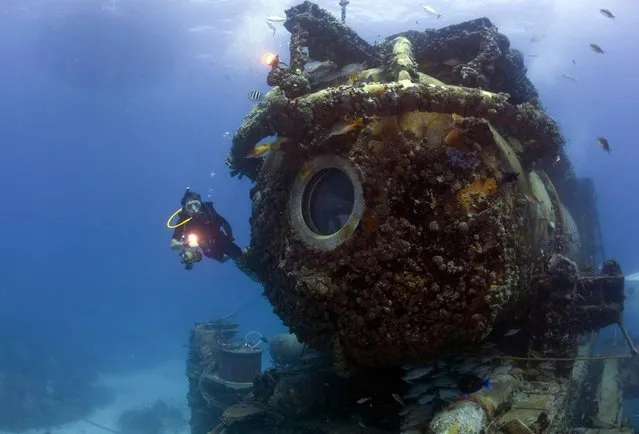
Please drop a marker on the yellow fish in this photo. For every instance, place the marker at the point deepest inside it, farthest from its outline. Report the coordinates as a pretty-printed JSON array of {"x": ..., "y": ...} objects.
[
  {"x": 263, "y": 148},
  {"x": 354, "y": 78},
  {"x": 260, "y": 150},
  {"x": 346, "y": 126}
]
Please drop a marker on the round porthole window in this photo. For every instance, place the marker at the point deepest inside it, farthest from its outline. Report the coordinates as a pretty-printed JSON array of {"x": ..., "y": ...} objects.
[{"x": 328, "y": 201}]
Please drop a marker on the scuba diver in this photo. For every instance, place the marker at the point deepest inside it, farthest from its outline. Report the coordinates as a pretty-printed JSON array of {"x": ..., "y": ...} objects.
[{"x": 201, "y": 230}]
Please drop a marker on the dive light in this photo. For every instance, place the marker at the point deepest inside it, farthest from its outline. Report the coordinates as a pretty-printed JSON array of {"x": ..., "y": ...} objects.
[
  {"x": 191, "y": 241},
  {"x": 190, "y": 254}
]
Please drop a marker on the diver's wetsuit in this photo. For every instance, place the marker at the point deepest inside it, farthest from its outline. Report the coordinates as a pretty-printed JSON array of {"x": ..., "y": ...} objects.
[{"x": 207, "y": 225}]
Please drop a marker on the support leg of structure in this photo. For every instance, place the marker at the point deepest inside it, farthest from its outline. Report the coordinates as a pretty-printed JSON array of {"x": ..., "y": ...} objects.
[{"x": 609, "y": 402}]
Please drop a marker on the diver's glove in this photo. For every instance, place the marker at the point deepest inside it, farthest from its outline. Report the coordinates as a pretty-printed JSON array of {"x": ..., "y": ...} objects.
[{"x": 176, "y": 244}]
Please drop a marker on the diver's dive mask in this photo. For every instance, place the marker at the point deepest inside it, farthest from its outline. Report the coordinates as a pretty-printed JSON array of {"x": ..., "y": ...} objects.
[{"x": 193, "y": 206}]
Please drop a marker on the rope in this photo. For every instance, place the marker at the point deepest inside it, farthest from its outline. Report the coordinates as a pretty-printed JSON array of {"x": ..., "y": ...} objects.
[
  {"x": 566, "y": 359},
  {"x": 102, "y": 427},
  {"x": 239, "y": 309}
]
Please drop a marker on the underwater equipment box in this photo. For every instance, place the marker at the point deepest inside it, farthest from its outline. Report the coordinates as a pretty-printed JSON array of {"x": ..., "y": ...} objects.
[
  {"x": 220, "y": 372},
  {"x": 239, "y": 365}
]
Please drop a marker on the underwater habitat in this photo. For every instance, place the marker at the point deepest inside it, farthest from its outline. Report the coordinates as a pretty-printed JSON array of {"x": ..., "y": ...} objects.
[{"x": 329, "y": 217}]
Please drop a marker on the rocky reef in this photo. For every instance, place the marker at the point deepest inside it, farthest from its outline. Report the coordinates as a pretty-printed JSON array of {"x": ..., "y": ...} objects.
[{"x": 452, "y": 223}]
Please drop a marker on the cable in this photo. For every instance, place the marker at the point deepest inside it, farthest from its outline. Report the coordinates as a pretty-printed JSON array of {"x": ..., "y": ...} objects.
[
  {"x": 170, "y": 226},
  {"x": 565, "y": 359},
  {"x": 102, "y": 427}
]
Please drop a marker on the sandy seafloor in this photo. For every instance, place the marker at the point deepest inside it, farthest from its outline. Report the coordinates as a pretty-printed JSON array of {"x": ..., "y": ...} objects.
[{"x": 167, "y": 382}]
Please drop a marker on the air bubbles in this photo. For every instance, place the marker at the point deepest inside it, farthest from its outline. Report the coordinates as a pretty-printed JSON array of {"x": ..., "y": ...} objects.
[{"x": 212, "y": 174}]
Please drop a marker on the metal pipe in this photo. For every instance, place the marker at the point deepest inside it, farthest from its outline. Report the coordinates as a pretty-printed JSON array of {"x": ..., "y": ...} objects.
[{"x": 631, "y": 345}]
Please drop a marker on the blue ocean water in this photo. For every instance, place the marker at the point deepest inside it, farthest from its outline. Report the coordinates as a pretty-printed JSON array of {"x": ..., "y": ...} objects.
[{"x": 109, "y": 109}]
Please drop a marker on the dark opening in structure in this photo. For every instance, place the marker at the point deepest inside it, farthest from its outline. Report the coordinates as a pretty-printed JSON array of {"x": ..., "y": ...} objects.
[{"x": 328, "y": 201}]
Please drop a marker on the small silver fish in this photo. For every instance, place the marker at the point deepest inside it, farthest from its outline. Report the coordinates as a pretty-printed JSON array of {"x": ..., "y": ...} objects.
[
  {"x": 604, "y": 144},
  {"x": 447, "y": 394},
  {"x": 275, "y": 19},
  {"x": 417, "y": 373},
  {"x": 417, "y": 390},
  {"x": 431, "y": 10},
  {"x": 404, "y": 411},
  {"x": 271, "y": 26},
  {"x": 445, "y": 381},
  {"x": 569, "y": 77},
  {"x": 426, "y": 398},
  {"x": 512, "y": 332},
  {"x": 607, "y": 13}
]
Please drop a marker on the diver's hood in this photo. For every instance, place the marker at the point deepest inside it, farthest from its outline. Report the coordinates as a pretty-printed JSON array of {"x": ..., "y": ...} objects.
[{"x": 190, "y": 195}]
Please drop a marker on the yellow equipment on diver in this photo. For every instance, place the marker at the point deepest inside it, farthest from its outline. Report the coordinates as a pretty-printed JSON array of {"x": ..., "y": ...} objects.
[{"x": 168, "y": 222}]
